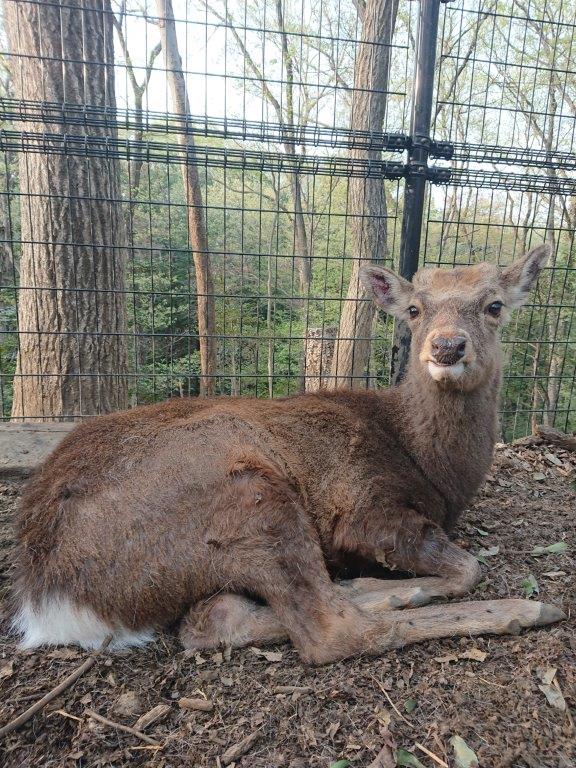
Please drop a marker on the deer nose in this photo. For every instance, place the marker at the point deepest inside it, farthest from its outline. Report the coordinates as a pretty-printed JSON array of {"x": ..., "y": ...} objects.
[{"x": 448, "y": 350}]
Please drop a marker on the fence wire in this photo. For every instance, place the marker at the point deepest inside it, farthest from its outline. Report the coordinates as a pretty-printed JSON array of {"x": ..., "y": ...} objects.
[{"x": 288, "y": 138}]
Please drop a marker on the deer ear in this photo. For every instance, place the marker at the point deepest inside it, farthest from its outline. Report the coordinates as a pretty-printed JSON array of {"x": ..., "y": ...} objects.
[
  {"x": 389, "y": 291},
  {"x": 520, "y": 277}
]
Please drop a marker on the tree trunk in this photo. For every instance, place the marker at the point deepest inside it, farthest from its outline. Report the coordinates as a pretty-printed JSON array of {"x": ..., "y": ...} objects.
[
  {"x": 196, "y": 219},
  {"x": 302, "y": 254},
  {"x": 318, "y": 351},
  {"x": 71, "y": 311},
  {"x": 366, "y": 198}
]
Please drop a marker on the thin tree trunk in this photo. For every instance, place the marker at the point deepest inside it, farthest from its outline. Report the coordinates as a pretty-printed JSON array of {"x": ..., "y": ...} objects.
[
  {"x": 196, "y": 218},
  {"x": 71, "y": 310},
  {"x": 318, "y": 351},
  {"x": 366, "y": 197},
  {"x": 302, "y": 254}
]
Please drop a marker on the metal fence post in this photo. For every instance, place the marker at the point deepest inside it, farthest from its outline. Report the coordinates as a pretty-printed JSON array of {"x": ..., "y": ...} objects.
[{"x": 417, "y": 168}]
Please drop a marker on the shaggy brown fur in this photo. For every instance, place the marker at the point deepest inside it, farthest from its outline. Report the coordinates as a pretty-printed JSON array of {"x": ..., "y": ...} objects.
[{"x": 140, "y": 516}]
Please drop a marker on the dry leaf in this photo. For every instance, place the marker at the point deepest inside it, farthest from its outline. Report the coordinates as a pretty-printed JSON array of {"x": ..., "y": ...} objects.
[
  {"x": 474, "y": 654},
  {"x": 63, "y": 653},
  {"x": 128, "y": 704},
  {"x": 407, "y": 759},
  {"x": 332, "y": 730},
  {"x": 7, "y": 670},
  {"x": 551, "y": 689},
  {"x": 273, "y": 656},
  {"x": 465, "y": 757},
  {"x": 551, "y": 459},
  {"x": 489, "y": 551},
  {"x": 445, "y": 659},
  {"x": 385, "y": 758}
]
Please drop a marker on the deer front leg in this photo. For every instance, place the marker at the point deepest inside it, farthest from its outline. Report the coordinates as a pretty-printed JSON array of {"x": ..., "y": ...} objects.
[{"x": 406, "y": 541}]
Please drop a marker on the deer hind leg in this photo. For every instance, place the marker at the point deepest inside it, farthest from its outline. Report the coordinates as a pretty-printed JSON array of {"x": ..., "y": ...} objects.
[
  {"x": 262, "y": 543},
  {"x": 275, "y": 554},
  {"x": 233, "y": 620},
  {"x": 230, "y": 620}
]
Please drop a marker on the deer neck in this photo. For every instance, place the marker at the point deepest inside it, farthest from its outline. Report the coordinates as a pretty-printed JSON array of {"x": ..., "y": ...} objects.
[{"x": 450, "y": 434}]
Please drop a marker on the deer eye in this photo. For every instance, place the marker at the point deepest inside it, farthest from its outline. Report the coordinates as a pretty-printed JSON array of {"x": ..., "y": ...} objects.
[
  {"x": 413, "y": 312},
  {"x": 495, "y": 308}
]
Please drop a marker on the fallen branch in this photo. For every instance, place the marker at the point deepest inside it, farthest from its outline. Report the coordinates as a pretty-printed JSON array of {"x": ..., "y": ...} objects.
[
  {"x": 548, "y": 435},
  {"x": 120, "y": 727},
  {"x": 19, "y": 721},
  {"x": 555, "y": 437}
]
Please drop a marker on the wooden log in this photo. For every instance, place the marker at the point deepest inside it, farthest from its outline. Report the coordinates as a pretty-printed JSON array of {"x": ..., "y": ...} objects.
[{"x": 24, "y": 446}]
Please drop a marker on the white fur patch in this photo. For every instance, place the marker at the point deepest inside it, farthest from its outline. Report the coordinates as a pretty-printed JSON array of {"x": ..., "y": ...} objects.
[
  {"x": 56, "y": 621},
  {"x": 442, "y": 372}
]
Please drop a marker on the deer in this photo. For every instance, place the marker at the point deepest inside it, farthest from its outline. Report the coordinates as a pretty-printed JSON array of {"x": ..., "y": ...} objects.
[{"x": 231, "y": 518}]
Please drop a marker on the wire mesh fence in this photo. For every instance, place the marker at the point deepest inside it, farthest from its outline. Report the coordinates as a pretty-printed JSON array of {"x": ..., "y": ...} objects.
[{"x": 187, "y": 189}]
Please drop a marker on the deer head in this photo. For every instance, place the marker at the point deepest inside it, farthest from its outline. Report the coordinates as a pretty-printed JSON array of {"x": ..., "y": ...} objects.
[{"x": 455, "y": 314}]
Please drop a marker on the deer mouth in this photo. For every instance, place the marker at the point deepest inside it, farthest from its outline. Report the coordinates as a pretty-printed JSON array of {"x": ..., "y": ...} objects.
[{"x": 443, "y": 371}]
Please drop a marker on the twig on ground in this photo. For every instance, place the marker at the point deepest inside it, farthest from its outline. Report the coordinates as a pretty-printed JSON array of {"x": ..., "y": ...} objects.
[
  {"x": 66, "y": 714},
  {"x": 430, "y": 754},
  {"x": 120, "y": 727},
  {"x": 385, "y": 692},
  {"x": 19, "y": 721}
]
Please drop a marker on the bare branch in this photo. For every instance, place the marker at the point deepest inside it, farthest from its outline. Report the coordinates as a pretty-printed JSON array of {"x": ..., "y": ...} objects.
[{"x": 227, "y": 19}]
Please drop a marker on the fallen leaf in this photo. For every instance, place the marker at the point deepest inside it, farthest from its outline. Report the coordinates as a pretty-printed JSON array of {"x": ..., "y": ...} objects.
[
  {"x": 410, "y": 705},
  {"x": 128, "y": 704},
  {"x": 273, "y": 656},
  {"x": 157, "y": 713},
  {"x": 489, "y": 551},
  {"x": 445, "y": 659},
  {"x": 551, "y": 549},
  {"x": 7, "y": 670},
  {"x": 547, "y": 675},
  {"x": 554, "y": 697},
  {"x": 473, "y": 654},
  {"x": 554, "y": 574},
  {"x": 407, "y": 759},
  {"x": 539, "y": 476},
  {"x": 63, "y": 653},
  {"x": 385, "y": 758},
  {"x": 530, "y": 586},
  {"x": 551, "y": 459},
  {"x": 332, "y": 730},
  {"x": 340, "y": 764},
  {"x": 551, "y": 689},
  {"x": 464, "y": 756}
]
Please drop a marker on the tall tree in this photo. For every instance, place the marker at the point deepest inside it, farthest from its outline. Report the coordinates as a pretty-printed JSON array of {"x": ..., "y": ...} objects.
[
  {"x": 292, "y": 108},
  {"x": 196, "y": 218},
  {"x": 366, "y": 197},
  {"x": 138, "y": 92},
  {"x": 71, "y": 311}
]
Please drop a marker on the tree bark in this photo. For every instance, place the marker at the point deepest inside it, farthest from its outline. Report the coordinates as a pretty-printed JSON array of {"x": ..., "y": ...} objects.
[
  {"x": 318, "y": 351},
  {"x": 366, "y": 198},
  {"x": 196, "y": 218},
  {"x": 72, "y": 357}
]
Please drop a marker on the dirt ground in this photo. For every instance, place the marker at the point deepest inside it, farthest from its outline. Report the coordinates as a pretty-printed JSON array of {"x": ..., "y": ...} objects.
[{"x": 489, "y": 691}]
